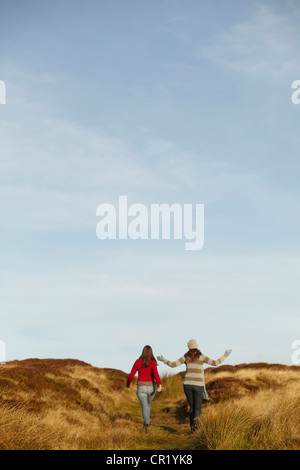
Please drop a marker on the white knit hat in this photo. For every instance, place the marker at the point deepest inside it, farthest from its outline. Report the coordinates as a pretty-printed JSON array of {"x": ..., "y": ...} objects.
[{"x": 192, "y": 344}]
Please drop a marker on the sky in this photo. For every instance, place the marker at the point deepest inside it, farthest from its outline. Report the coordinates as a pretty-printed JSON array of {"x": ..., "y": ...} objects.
[{"x": 163, "y": 102}]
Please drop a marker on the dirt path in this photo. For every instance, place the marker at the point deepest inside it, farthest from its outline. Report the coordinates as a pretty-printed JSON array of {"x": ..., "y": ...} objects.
[{"x": 169, "y": 430}]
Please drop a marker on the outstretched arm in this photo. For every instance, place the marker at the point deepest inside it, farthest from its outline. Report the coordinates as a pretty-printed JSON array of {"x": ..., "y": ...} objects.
[
  {"x": 211, "y": 362},
  {"x": 177, "y": 363}
]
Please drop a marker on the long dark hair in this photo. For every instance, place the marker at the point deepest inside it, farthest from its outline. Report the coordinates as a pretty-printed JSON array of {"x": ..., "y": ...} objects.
[
  {"x": 192, "y": 355},
  {"x": 147, "y": 356}
]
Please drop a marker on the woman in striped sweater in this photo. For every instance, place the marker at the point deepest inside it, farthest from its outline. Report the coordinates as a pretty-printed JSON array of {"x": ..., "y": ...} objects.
[{"x": 194, "y": 383}]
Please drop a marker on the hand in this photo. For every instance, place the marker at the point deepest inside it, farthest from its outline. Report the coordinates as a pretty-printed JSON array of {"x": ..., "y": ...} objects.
[
  {"x": 227, "y": 352},
  {"x": 160, "y": 358},
  {"x": 159, "y": 388}
]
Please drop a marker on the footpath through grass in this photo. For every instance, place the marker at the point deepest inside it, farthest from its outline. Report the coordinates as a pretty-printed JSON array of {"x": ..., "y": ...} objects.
[{"x": 170, "y": 428}]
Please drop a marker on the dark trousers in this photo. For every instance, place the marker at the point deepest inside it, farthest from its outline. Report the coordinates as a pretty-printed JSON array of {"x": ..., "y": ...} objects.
[{"x": 194, "y": 395}]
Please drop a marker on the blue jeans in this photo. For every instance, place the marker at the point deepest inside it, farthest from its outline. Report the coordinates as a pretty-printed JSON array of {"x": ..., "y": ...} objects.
[
  {"x": 194, "y": 395},
  {"x": 145, "y": 395}
]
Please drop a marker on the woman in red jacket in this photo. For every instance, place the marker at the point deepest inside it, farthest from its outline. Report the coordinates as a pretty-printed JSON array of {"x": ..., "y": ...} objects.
[{"x": 148, "y": 376}]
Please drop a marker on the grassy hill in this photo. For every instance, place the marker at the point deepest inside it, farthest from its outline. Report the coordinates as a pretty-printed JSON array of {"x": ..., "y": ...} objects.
[{"x": 68, "y": 404}]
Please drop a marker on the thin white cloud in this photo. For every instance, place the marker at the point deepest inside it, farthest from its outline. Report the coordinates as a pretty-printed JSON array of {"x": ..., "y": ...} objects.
[
  {"x": 266, "y": 47},
  {"x": 61, "y": 155},
  {"x": 54, "y": 180}
]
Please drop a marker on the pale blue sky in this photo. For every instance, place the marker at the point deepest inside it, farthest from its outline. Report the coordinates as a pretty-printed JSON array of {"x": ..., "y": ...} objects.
[{"x": 162, "y": 101}]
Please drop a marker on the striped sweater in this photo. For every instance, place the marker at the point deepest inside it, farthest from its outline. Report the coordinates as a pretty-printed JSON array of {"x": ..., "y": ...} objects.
[{"x": 194, "y": 370}]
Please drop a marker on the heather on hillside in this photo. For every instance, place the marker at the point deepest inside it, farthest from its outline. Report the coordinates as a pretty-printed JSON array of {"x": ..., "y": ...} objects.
[{"x": 68, "y": 404}]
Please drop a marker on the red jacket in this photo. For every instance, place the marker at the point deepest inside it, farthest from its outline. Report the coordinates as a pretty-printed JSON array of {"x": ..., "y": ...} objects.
[{"x": 146, "y": 374}]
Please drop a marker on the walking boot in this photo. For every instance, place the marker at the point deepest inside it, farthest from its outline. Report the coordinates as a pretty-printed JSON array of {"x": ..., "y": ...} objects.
[
  {"x": 195, "y": 424},
  {"x": 147, "y": 428}
]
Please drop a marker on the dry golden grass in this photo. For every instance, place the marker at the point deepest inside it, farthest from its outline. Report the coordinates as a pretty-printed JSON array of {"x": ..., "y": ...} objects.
[
  {"x": 70, "y": 405},
  {"x": 265, "y": 421},
  {"x": 20, "y": 430}
]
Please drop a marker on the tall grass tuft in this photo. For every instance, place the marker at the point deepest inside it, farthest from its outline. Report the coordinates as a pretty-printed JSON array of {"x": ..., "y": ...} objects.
[
  {"x": 21, "y": 430},
  {"x": 252, "y": 423}
]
